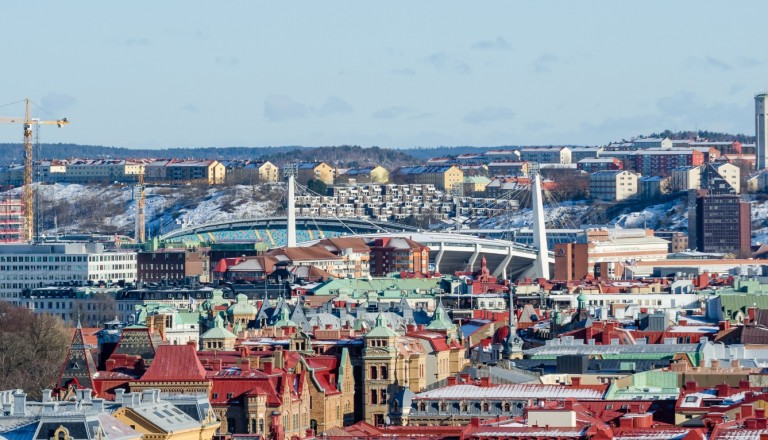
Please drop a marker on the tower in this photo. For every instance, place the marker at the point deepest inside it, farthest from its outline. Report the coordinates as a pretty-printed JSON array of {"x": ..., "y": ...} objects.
[
  {"x": 761, "y": 147},
  {"x": 79, "y": 366},
  {"x": 379, "y": 365},
  {"x": 513, "y": 345},
  {"x": 291, "y": 211},
  {"x": 541, "y": 265}
]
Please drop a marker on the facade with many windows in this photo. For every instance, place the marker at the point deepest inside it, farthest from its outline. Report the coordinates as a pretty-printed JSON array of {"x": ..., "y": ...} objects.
[{"x": 24, "y": 266}]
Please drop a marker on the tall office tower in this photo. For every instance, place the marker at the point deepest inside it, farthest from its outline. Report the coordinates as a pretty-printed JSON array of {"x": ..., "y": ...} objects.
[{"x": 761, "y": 147}]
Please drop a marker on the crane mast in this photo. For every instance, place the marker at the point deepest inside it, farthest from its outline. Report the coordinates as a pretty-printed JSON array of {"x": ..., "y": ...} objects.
[
  {"x": 140, "y": 232},
  {"x": 28, "y": 192}
]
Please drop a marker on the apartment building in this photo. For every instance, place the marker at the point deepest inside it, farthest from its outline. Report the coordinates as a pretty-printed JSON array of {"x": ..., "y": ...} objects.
[
  {"x": 561, "y": 155},
  {"x": 685, "y": 178},
  {"x": 730, "y": 173},
  {"x": 11, "y": 220},
  {"x": 211, "y": 171},
  {"x": 614, "y": 186},
  {"x": 442, "y": 177},
  {"x": 251, "y": 171},
  {"x": 315, "y": 170},
  {"x": 595, "y": 164},
  {"x": 661, "y": 162}
]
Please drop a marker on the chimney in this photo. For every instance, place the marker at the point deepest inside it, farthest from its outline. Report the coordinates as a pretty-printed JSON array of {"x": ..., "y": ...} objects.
[
  {"x": 329, "y": 326},
  {"x": 485, "y": 382},
  {"x": 119, "y": 392},
  {"x": 682, "y": 322},
  {"x": 19, "y": 404},
  {"x": 465, "y": 378},
  {"x": 451, "y": 380},
  {"x": 110, "y": 364},
  {"x": 576, "y": 381},
  {"x": 723, "y": 325},
  {"x": 691, "y": 386},
  {"x": 744, "y": 384},
  {"x": 474, "y": 422},
  {"x": 568, "y": 404},
  {"x": 760, "y": 413},
  {"x": 714, "y": 363},
  {"x": 278, "y": 357},
  {"x": 267, "y": 367},
  {"x": 751, "y": 312},
  {"x": 722, "y": 390},
  {"x": 98, "y": 405},
  {"x": 192, "y": 343},
  {"x": 735, "y": 363},
  {"x": 747, "y": 411}
]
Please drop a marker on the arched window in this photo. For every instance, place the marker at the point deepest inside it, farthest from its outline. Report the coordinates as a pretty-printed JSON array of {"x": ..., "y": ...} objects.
[{"x": 486, "y": 407}]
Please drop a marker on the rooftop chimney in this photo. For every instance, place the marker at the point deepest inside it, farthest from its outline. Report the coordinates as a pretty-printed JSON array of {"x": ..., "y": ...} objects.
[
  {"x": 98, "y": 405},
  {"x": 267, "y": 367},
  {"x": 19, "y": 403}
]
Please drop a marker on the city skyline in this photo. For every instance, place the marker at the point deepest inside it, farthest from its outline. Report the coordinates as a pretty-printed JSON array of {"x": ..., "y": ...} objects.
[{"x": 400, "y": 75}]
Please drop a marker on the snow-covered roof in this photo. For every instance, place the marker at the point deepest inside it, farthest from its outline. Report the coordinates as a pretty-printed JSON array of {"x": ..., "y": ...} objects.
[{"x": 509, "y": 391}]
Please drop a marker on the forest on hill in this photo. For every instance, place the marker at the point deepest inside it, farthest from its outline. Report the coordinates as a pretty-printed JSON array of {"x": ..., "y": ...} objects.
[
  {"x": 712, "y": 136},
  {"x": 340, "y": 156}
]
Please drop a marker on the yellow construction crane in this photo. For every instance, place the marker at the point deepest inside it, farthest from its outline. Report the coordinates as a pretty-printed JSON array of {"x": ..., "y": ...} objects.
[
  {"x": 140, "y": 233},
  {"x": 28, "y": 195}
]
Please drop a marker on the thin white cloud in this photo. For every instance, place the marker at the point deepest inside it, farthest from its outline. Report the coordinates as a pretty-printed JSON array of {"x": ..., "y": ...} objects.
[
  {"x": 447, "y": 63},
  {"x": 334, "y": 105},
  {"x": 489, "y": 114},
  {"x": 283, "y": 108},
  {"x": 499, "y": 43},
  {"x": 390, "y": 112}
]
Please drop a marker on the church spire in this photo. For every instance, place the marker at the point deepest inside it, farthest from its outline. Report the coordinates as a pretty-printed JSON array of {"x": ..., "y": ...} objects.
[{"x": 79, "y": 367}]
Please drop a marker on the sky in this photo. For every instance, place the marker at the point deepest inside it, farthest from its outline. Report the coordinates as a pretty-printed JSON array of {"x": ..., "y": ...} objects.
[{"x": 157, "y": 74}]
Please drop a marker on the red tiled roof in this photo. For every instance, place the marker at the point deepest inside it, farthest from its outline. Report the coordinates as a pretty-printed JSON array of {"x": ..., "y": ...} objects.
[{"x": 175, "y": 362}]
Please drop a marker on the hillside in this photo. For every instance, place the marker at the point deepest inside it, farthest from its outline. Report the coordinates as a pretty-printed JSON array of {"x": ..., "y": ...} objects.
[
  {"x": 13, "y": 153},
  {"x": 346, "y": 156},
  {"x": 713, "y": 136},
  {"x": 342, "y": 156}
]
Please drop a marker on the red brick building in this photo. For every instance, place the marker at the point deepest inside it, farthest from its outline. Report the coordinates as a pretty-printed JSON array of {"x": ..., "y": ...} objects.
[{"x": 398, "y": 254}]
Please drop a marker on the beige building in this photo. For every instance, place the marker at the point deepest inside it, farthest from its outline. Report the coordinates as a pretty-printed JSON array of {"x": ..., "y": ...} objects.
[
  {"x": 614, "y": 185},
  {"x": 249, "y": 172},
  {"x": 731, "y": 173},
  {"x": 685, "y": 178},
  {"x": 315, "y": 170},
  {"x": 371, "y": 174},
  {"x": 444, "y": 177},
  {"x": 211, "y": 171}
]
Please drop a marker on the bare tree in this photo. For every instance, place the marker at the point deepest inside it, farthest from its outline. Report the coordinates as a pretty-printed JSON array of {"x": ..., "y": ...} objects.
[{"x": 32, "y": 349}]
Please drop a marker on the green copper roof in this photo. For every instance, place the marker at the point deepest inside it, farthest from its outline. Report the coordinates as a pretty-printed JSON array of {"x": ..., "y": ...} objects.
[
  {"x": 381, "y": 330},
  {"x": 440, "y": 320},
  {"x": 241, "y": 307},
  {"x": 218, "y": 331},
  {"x": 284, "y": 321}
]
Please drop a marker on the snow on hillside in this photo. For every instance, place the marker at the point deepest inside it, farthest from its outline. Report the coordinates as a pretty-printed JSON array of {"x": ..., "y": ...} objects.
[{"x": 112, "y": 209}]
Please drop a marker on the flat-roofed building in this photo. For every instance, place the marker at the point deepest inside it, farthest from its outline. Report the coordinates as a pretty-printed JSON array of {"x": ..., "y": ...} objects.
[
  {"x": 614, "y": 186},
  {"x": 685, "y": 178},
  {"x": 29, "y": 266}
]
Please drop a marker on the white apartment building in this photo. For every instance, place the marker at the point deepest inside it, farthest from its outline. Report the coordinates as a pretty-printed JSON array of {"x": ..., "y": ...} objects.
[
  {"x": 561, "y": 155},
  {"x": 614, "y": 185},
  {"x": 685, "y": 178},
  {"x": 25, "y": 266},
  {"x": 731, "y": 173}
]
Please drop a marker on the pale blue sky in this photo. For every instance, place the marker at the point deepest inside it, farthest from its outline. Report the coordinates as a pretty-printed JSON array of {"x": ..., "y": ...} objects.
[{"x": 394, "y": 74}]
